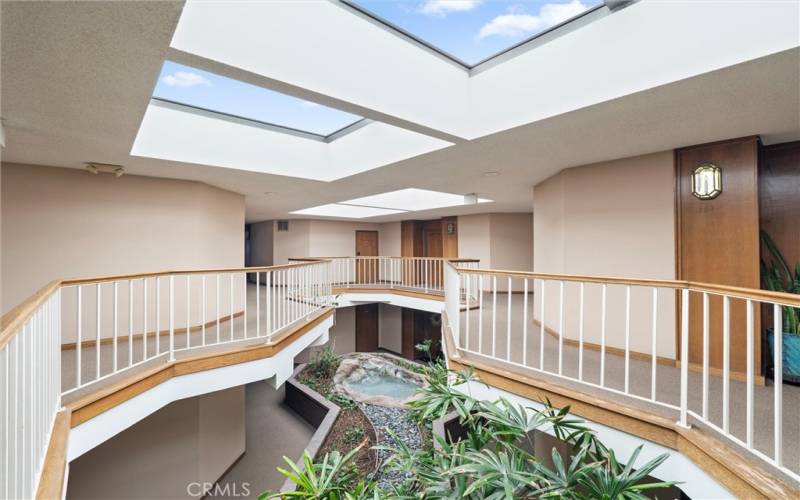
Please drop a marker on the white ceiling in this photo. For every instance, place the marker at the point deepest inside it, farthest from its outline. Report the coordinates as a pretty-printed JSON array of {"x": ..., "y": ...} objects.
[{"x": 77, "y": 79}]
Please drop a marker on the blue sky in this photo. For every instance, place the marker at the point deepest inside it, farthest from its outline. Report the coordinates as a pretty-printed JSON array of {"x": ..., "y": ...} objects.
[
  {"x": 473, "y": 30},
  {"x": 207, "y": 90}
]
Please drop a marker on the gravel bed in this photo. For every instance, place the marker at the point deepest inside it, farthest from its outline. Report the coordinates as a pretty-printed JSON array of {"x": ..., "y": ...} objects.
[{"x": 396, "y": 420}]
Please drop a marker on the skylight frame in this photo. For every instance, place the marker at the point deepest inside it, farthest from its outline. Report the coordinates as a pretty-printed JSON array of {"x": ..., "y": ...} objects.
[
  {"x": 318, "y": 211},
  {"x": 384, "y": 210},
  {"x": 393, "y": 200},
  {"x": 276, "y": 127},
  {"x": 470, "y": 68},
  {"x": 191, "y": 108}
]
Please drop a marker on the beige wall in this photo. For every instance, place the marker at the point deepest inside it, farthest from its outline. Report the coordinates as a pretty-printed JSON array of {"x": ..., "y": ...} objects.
[
  {"x": 336, "y": 238},
  {"x": 191, "y": 440},
  {"x": 261, "y": 243},
  {"x": 610, "y": 219},
  {"x": 500, "y": 241},
  {"x": 389, "y": 239},
  {"x": 59, "y": 222},
  {"x": 62, "y": 223},
  {"x": 326, "y": 238},
  {"x": 291, "y": 243},
  {"x": 473, "y": 238}
]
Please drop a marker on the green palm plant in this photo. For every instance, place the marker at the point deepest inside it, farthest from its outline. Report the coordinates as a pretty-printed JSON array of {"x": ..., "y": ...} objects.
[
  {"x": 778, "y": 277},
  {"x": 610, "y": 480},
  {"x": 495, "y": 475},
  {"x": 333, "y": 478}
]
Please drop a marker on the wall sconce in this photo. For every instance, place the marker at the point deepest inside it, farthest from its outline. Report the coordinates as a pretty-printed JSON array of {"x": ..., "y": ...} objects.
[{"x": 707, "y": 181}]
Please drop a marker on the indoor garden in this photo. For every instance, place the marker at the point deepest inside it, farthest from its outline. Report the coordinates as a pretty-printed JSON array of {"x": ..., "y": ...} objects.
[{"x": 443, "y": 443}]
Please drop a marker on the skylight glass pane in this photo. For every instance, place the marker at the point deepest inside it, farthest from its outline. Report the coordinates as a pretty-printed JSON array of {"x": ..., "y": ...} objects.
[
  {"x": 412, "y": 199},
  {"x": 346, "y": 211},
  {"x": 202, "y": 89},
  {"x": 473, "y": 30}
]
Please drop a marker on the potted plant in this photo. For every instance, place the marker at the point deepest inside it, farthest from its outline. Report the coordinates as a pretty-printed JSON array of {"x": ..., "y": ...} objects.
[{"x": 778, "y": 277}]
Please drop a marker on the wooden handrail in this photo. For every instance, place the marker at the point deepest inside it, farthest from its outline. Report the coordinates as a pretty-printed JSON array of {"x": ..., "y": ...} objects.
[
  {"x": 225, "y": 270},
  {"x": 780, "y": 298},
  {"x": 319, "y": 259},
  {"x": 14, "y": 319}
]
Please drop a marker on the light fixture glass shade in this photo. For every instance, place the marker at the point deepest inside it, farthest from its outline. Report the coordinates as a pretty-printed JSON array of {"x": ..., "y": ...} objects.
[{"x": 707, "y": 181}]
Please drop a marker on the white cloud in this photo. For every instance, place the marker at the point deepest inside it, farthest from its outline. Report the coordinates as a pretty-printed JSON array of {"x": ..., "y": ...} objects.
[
  {"x": 442, "y": 7},
  {"x": 517, "y": 24},
  {"x": 308, "y": 104},
  {"x": 185, "y": 79}
]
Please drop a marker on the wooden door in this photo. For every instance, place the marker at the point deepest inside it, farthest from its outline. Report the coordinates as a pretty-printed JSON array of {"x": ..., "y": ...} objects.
[
  {"x": 719, "y": 243},
  {"x": 367, "y": 328},
  {"x": 366, "y": 246}
]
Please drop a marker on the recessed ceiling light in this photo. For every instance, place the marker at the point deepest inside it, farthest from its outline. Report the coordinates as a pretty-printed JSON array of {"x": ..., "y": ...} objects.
[
  {"x": 491, "y": 173},
  {"x": 346, "y": 211},
  {"x": 412, "y": 199}
]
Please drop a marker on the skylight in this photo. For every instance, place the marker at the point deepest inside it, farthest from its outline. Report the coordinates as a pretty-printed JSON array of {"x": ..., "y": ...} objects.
[
  {"x": 474, "y": 30},
  {"x": 201, "y": 89},
  {"x": 346, "y": 211},
  {"x": 412, "y": 200},
  {"x": 393, "y": 202}
]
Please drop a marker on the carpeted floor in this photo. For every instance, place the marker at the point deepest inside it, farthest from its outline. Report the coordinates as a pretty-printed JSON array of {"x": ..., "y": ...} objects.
[{"x": 272, "y": 432}]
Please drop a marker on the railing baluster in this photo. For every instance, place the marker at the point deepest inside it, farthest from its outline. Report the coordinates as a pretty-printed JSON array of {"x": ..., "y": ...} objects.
[
  {"x": 603, "y": 317},
  {"x": 580, "y": 332},
  {"x": 188, "y": 311},
  {"x": 750, "y": 375},
  {"x": 258, "y": 304},
  {"x": 466, "y": 313},
  {"x": 158, "y": 315},
  {"x": 216, "y": 309},
  {"x": 172, "y": 317},
  {"x": 525, "y": 322},
  {"x": 541, "y": 329},
  {"x": 115, "y": 329},
  {"x": 203, "y": 313},
  {"x": 130, "y": 323},
  {"x": 78, "y": 344},
  {"x": 144, "y": 319},
  {"x": 508, "y": 322},
  {"x": 777, "y": 375},
  {"x": 97, "y": 338},
  {"x": 268, "y": 300},
  {"x": 627, "y": 338},
  {"x": 653, "y": 345},
  {"x": 494, "y": 315},
  {"x": 726, "y": 362},
  {"x": 561, "y": 327},
  {"x": 230, "y": 301},
  {"x": 684, "y": 408},
  {"x": 480, "y": 314},
  {"x": 705, "y": 354}
]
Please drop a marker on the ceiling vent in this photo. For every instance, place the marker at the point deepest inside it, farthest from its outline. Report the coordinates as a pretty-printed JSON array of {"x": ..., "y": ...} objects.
[
  {"x": 105, "y": 168},
  {"x": 283, "y": 225}
]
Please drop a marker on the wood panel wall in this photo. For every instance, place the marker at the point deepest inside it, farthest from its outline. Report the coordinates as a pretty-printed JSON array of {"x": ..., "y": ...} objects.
[
  {"x": 718, "y": 242},
  {"x": 779, "y": 198},
  {"x": 450, "y": 240}
]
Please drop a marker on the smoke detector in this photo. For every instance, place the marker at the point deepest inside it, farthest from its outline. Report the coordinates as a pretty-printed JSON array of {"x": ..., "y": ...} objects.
[{"x": 105, "y": 168}]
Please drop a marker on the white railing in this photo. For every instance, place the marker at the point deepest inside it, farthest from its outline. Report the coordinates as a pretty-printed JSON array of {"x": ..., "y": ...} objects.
[
  {"x": 618, "y": 336},
  {"x": 111, "y": 325},
  {"x": 76, "y": 333},
  {"x": 29, "y": 369},
  {"x": 624, "y": 337},
  {"x": 425, "y": 274}
]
